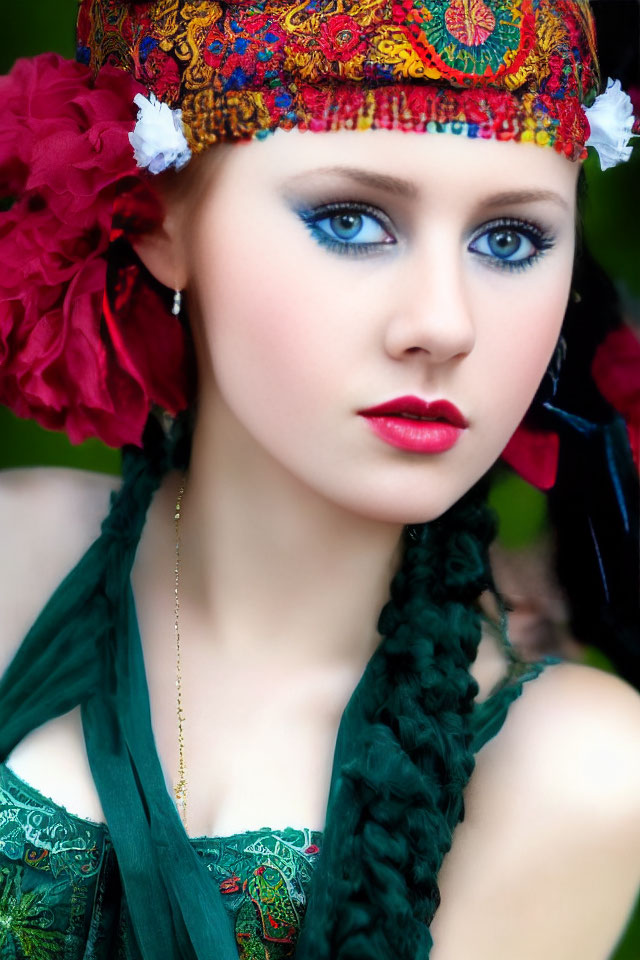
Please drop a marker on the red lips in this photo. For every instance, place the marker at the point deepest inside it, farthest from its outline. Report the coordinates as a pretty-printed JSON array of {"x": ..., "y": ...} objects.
[
  {"x": 413, "y": 406},
  {"x": 397, "y": 423}
]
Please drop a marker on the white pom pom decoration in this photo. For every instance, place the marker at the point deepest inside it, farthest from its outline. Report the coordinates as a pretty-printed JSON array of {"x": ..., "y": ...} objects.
[
  {"x": 158, "y": 140},
  {"x": 611, "y": 122}
]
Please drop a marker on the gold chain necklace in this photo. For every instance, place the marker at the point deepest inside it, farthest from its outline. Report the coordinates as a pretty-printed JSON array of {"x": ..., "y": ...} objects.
[{"x": 180, "y": 789}]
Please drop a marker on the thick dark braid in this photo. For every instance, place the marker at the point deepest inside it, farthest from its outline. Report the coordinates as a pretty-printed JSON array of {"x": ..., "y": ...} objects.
[{"x": 406, "y": 754}]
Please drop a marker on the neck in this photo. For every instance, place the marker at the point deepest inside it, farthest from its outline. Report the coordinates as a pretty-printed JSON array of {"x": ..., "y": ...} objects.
[{"x": 272, "y": 568}]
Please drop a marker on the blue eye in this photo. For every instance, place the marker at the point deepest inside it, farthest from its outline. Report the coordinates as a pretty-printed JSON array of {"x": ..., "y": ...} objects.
[
  {"x": 348, "y": 228},
  {"x": 512, "y": 244}
]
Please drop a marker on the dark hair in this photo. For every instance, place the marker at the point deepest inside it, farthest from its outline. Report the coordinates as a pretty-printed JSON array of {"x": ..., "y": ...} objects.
[{"x": 595, "y": 504}]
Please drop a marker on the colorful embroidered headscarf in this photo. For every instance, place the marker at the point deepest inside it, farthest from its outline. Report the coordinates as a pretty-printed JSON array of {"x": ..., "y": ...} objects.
[{"x": 511, "y": 69}]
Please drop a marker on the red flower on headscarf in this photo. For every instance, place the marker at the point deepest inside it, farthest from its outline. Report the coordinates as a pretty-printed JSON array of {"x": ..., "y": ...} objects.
[
  {"x": 162, "y": 75},
  {"x": 341, "y": 38},
  {"x": 555, "y": 81},
  {"x": 65, "y": 155}
]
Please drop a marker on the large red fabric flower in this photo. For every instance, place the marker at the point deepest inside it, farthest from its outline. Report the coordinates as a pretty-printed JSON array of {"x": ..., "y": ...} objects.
[
  {"x": 616, "y": 371},
  {"x": 65, "y": 156}
]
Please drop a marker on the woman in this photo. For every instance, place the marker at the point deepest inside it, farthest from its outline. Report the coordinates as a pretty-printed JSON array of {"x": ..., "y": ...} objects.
[{"x": 372, "y": 314}]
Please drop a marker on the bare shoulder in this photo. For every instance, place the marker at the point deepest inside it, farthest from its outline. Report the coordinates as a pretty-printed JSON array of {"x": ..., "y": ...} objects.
[
  {"x": 54, "y": 481},
  {"x": 35, "y": 501},
  {"x": 546, "y": 861},
  {"x": 574, "y": 737},
  {"x": 49, "y": 516}
]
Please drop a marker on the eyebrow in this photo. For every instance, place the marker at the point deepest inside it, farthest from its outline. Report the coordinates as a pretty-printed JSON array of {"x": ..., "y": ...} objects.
[
  {"x": 366, "y": 178},
  {"x": 405, "y": 188},
  {"x": 525, "y": 196}
]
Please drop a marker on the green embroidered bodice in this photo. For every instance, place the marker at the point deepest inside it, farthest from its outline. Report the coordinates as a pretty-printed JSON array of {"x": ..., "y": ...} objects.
[{"x": 60, "y": 893}]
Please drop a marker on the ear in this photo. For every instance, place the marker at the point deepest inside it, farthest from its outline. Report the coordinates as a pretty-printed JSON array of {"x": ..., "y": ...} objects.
[{"x": 160, "y": 250}]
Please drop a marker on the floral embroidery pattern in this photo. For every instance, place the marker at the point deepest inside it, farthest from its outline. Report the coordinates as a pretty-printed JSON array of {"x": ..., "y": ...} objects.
[
  {"x": 512, "y": 69},
  {"x": 470, "y": 38},
  {"x": 264, "y": 878},
  {"x": 51, "y": 876},
  {"x": 472, "y": 23},
  {"x": 25, "y": 920},
  {"x": 45, "y": 836},
  {"x": 60, "y": 892}
]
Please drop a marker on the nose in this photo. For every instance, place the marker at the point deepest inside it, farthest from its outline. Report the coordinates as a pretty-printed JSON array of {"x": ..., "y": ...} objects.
[{"x": 432, "y": 313}]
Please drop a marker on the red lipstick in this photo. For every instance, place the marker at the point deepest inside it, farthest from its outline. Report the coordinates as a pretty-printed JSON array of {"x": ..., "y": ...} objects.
[{"x": 413, "y": 424}]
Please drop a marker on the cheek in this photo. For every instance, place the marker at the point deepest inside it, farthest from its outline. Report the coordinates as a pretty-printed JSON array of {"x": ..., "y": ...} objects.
[
  {"x": 274, "y": 333},
  {"x": 526, "y": 360},
  {"x": 523, "y": 341}
]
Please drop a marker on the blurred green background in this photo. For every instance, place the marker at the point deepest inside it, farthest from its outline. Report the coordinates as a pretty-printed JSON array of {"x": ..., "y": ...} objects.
[{"x": 611, "y": 230}]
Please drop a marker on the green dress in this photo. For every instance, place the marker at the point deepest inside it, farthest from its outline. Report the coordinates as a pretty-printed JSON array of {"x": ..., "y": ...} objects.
[{"x": 68, "y": 886}]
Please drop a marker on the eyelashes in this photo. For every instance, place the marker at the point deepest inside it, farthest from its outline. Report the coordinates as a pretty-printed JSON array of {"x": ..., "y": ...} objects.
[
  {"x": 358, "y": 229},
  {"x": 336, "y": 225},
  {"x": 506, "y": 232}
]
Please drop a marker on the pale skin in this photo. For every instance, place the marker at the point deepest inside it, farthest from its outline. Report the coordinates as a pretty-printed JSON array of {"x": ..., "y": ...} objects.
[{"x": 294, "y": 509}]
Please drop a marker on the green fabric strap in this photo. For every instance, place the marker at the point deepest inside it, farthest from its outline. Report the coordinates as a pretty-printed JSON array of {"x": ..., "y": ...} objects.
[{"x": 489, "y": 715}]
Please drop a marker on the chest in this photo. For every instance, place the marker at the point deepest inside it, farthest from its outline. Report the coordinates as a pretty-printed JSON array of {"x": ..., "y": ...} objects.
[
  {"x": 257, "y": 747},
  {"x": 256, "y": 742}
]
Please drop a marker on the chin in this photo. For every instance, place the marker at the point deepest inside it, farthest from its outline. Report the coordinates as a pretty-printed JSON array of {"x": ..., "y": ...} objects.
[
  {"x": 408, "y": 507},
  {"x": 421, "y": 490}
]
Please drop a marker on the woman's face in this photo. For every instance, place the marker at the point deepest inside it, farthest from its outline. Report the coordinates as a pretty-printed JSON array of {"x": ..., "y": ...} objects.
[{"x": 329, "y": 274}]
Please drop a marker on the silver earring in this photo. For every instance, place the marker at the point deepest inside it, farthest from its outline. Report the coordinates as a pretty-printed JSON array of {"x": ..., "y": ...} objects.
[
  {"x": 552, "y": 375},
  {"x": 177, "y": 303}
]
